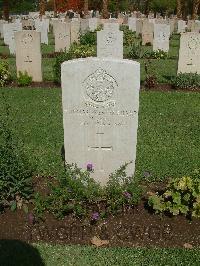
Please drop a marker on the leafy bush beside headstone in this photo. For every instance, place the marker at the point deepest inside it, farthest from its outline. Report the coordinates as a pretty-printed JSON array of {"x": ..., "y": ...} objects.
[
  {"x": 182, "y": 196},
  {"x": 5, "y": 75},
  {"x": 16, "y": 171},
  {"x": 75, "y": 51},
  {"x": 77, "y": 193},
  {"x": 24, "y": 79},
  {"x": 186, "y": 81}
]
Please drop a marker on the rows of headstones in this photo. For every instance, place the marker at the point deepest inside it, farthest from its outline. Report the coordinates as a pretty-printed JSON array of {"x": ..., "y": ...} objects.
[
  {"x": 100, "y": 95},
  {"x": 24, "y": 36}
]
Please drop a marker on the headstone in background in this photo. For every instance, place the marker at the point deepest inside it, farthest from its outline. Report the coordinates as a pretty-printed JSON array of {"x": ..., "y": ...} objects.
[
  {"x": 42, "y": 27},
  {"x": 2, "y": 22},
  {"x": 139, "y": 23},
  {"x": 181, "y": 26},
  {"x": 132, "y": 24},
  {"x": 9, "y": 30},
  {"x": 189, "y": 53},
  {"x": 110, "y": 42},
  {"x": 62, "y": 37},
  {"x": 84, "y": 25},
  {"x": 161, "y": 37},
  {"x": 28, "y": 54},
  {"x": 75, "y": 30},
  {"x": 93, "y": 24},
  {"x": 147, "y": 32},
  {"x": 196, "y": 26},
  {"x": 100, "y": 114}
]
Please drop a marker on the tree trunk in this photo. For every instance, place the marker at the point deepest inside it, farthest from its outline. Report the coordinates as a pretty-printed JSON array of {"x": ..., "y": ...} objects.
[
  {"x": 42, "y": 7},
  {"x": 54, "y": 8},
  {"x": 86, "y": 7},
  {"x": 196, "y": 5},
  {"x": 105, "y": 9},
  {"x": 6, "y": 9},
  {"x": 179, "y": 8}
]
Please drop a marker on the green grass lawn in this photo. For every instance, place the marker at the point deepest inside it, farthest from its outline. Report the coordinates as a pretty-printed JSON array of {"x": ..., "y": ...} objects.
[
  {"x": 57, "y": 255},
  {"x": 168, "y": 136}
]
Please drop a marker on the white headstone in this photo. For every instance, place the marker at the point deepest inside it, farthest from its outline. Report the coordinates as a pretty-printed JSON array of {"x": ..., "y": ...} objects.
[
  {"x": 110, "y": 43},
  {"x": 42, "y": 27},
  {"x": 62, "y": 37},
  {"x": 93, "y": 24},
  {"x": 132, "y": 23},
  {"x": 189, "y": 53},
  {"x": 28, "y": 54},
  {"x": 75, "y": 30},
  {"x": 181, "y": 26},
  {"x": 100, "y": 114},
  {"x": 161, "y": 37}
]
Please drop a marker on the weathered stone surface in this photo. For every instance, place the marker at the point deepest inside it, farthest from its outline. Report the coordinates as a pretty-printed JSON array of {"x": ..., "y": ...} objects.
[
  {"x": 147, "y": 32},
  {"x": 75, "y": 30},
  {"x": 28, "y": 53},
  {"x": 189, "y": 53},
  {"x": 110, "y": 42},
  {"x": 62, "y": 37},
  {"x": 161, "y": 37},
  {"x": 100, "y": 113}
]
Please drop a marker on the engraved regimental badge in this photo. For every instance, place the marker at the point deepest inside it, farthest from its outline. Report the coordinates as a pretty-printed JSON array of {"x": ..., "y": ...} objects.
[{"x": 100, "y": 87}]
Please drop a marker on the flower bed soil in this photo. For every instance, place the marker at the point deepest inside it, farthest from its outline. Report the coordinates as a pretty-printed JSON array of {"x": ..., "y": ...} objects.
[{"x": 137, "y": 227}]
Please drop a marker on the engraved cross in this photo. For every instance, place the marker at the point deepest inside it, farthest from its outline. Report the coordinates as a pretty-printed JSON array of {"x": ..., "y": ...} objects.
[{"x": 101, "y": 149}]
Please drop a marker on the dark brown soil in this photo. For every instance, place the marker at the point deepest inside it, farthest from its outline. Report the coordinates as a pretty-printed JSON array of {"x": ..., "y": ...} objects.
[{"x": 135, "y": 227}]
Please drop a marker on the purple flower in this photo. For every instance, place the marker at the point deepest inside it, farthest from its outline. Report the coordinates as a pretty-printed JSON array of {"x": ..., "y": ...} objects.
[
  {"x": 89, "y": 167},
  {"x": 95, "y": 216},
  {"x": 31, "y": 218},
  {"x": 127, "y": 195}
]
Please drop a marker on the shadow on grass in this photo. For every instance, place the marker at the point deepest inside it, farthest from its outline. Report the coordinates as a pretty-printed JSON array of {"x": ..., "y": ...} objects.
[{"x": 18, "y": 253}]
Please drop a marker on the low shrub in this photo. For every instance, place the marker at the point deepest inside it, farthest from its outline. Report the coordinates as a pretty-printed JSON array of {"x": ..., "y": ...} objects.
[
  {"x": 186, "y": 81},
  {"x": 75, "y": 51},
  {"x": 128, "y": 35},
  {"x": 77, "y": 193},
  {"x": 136, "y": 51},
  {"x": 89, "y": 38},
  {"x": 182, "y": 196},
  {"x": 151, "y": 76},
  {"x": 5, "y": 75},
  {"x": 24, "y": 79},
  {"x": 159, "y": 54},
  {"x": 16, "y": 171}
]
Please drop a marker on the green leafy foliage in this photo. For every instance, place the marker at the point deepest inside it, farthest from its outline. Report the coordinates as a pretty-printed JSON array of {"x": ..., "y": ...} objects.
[
  {"x": 136, "y": 51},
  {"x": 77, "y": 193},
  {"x": 24, "y": 79},
  {"x": 159, "y": 54},
  {"x": 128, "y": 35},
  {"x": 89, "y": 38},
  {"x": 75, "y": 51},
  {"x": 182, "y": 196},
  {"x": 186, "y": 81},
  {"x": 15, "y": 170},
  {"x": 5, "y": 75}
]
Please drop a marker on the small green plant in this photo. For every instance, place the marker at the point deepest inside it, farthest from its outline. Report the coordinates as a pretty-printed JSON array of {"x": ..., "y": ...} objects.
[
  {"x": 136, "y": 51},
  {"x": 160, "y": 54},
  {"x": 186, "y": 81},
  {"x": 128, "y": 36},
  {"x": 24, "y": 79},
  {"x": 89, "y": 38},
  {"x": 16, "y": 171},
  {"x": 182, "y": 196},
  {"x": 77, "y": 193},
  {"x": 151, "y": 78},
  {"x": 75, "y": 51},
  {"x": 5, "y": 75}
]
